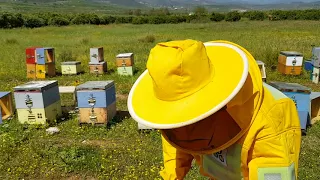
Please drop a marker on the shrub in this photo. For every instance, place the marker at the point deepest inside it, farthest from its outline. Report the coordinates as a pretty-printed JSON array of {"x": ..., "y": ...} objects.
[
  {"x": 217, "y": 17},
  {"x": 233, "y": 16},
  {"x": 256, "y": 15},
  {"x": 34, "y": 22},
  {"x": 58, "y": 21},
  {"x": 147, "y": 39},
  {"x": 140, "y": 20}
]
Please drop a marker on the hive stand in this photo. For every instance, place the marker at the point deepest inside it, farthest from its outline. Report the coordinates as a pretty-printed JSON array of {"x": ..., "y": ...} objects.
[
  {"x": 69, "y": 90},
  {"x": 6, "y": 106}
]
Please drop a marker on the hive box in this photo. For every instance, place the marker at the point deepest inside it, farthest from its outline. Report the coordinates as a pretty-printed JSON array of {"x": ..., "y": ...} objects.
[
  {"x": 315, "y": 107},
  {"x": 96, "y": 101},
  {"x": 316, "y": 56},
  {"x": 39, "y": 100},
  {"x": 125, "y": 59},
  {"x": 6, "y": 107},
  {"x": 125, "y": 70},
  {"x": 45, "y": 55},
  {"x": 71, "y": 67},
  {"x": 98, "y": 68},
  {"x": 262, "y": 70},
  {"x": 31, "y": 55},
  {"x": 290, "y": 62},
  {"x": 96, "y": 54},
  {"x": 300, "y": 95},
  {"x": 315, "y": 75}
]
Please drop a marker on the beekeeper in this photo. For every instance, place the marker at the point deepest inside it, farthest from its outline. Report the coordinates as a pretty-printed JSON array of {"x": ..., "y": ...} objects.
[{"x": 210, "y": 103}]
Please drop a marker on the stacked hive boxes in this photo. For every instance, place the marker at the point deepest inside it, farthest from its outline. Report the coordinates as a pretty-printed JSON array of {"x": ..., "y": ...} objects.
[
  {"x": 37, "y": 102},
  {"x": 125, "y": 64},
  {"x": 40, "y": 62},
  {"x": 97, "y": 65},
  {"x": 315, "y": 62},
  {"x": 262, "y": 70},
  {"x": 290, "y": 62},
  {"x": 6, "y": 108},
  {"x": 96, "y": 102},
  {"x": 71, "y": 67},
  {"x": 300, "y": 96}
]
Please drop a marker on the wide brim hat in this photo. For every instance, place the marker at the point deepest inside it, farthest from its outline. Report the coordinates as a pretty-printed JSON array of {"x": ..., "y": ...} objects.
[{"x": 186, "y": 81}]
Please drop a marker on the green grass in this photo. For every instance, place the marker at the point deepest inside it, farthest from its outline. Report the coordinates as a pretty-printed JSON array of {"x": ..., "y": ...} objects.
[{"x": 120, "y": 151}]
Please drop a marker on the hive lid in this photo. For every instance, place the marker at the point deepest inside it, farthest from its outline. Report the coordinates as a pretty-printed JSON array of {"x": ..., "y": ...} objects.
[
  {"x": 2, "y": 94},
  {"x": 70, "y": 62},
  {"x": 124, "y": 55},
  {"x": 36, "y": 86},
  {"x": 97, "y": 63},
  {"x": 259, "y": 62},
  {"x": 290, "y": 87},
  {"x": 291, "y": 53},
  {"x": 314, "y": 95},
  {"x": 95, "y": 85}
]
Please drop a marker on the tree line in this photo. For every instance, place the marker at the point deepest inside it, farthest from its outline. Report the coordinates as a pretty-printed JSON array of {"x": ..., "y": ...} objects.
[{"x": 154, "y": 16}]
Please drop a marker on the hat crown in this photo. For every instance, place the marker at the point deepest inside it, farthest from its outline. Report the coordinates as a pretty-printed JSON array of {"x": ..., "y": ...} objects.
[{"x": 179, "y": 69}]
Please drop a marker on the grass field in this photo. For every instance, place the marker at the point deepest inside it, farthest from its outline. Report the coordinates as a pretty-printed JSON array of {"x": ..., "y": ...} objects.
[{"x": 120, "y": 151}]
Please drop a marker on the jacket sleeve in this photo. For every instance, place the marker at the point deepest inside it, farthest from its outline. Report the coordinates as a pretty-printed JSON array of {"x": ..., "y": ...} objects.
[
  {"x": 275, "y": 154},
  {"x": 176, "y": 163}
]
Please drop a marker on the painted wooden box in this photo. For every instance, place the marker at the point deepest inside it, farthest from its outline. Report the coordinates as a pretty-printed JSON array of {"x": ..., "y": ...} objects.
[
  {"x": 37, "y": 102},
  {"x": 315, "y": 107},
  {"x": 98, "y": 68},
  {"x": 45, "y": 55},
  {"x": 315, "y": 75},
  {"x": 36, "y": 94},
  {"x": 290, "y": 58},
  {"x": 31, "y": 55},
  {"x": 6, "y": 105},
  {"x": 289, "y": 70},
  {"x": 126, "y": 71},
  {"x": 262, "y": 70},
  {"x": 316, "y": 56},
  {"x": 300, "y": 96},
  {"x": 96, "y": 54},
  {"x": 31, "y": 71},
  {"x": 96, "y": 101},
  {"x": 308, "y": 65},
  {"x": 40, "y": 115},
  {"x": 71, "y": 67},
  {"x": 125, "y": 59}
]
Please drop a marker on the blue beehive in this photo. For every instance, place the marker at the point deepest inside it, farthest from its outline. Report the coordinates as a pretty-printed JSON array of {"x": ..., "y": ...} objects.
[
  {"x": 96, "y": 101},
  {"x": 103, "y": 92},
  {"x": 308, "y": 65},
  {"x": 300, "y": 95}
]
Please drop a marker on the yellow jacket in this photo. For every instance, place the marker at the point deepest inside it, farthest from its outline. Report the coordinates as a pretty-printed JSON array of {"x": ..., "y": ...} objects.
[{"x": 267, "y": 146}]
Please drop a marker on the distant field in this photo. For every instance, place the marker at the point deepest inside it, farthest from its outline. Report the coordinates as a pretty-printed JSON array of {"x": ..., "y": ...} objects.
[{"x": 120, "y": 151}]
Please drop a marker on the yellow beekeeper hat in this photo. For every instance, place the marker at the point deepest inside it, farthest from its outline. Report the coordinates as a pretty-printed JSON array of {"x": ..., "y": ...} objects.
[{"x": 185, "y": 82}]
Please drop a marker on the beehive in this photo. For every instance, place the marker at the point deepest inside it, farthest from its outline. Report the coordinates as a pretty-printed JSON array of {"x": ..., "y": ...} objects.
[
  {"x": 125, "y": 64},
  {"x": 37, "y": 102},
  {"x": 96, "y": 102},
  {"x": 300, "y": 96},
  {"x": 125, "y": 71},
  {"x": 96, "y": 54},
  {"x": 315, "y": 75},
  {"x": 262, "y": 70},
  {"x": 40, "y": 62},
  {"x": 316, "y": 56},
  {"x": 71, "y": 67},
  {"x": 315, "y": 107},
  {"x": 98, "y": 68},
  {"x": 6, "y": 106},
  {"x": 290, "y": 62}
]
